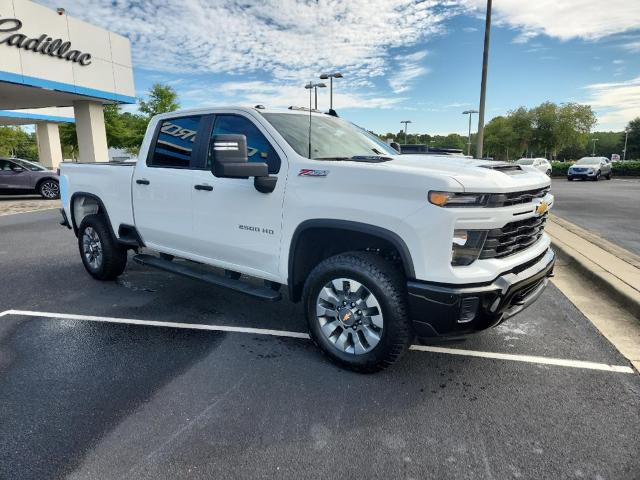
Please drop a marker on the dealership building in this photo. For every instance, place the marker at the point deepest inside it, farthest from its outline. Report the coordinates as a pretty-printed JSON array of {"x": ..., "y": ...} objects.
[{"x": 56, "y": 69}]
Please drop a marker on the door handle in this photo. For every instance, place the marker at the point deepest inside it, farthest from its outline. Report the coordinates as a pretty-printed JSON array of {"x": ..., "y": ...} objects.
[
  {"x": 143, "y": 181},
  {"x": 208, "y": 188}
]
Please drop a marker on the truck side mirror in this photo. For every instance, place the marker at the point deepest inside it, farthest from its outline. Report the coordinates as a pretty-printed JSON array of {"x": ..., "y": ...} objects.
[
  {"x": 396, "y": 147},
  {"x": 229, "y": 158}
]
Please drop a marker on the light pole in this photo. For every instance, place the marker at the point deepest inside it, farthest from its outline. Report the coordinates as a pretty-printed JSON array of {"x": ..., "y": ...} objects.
[
  {"x": 624, "y": 150},
  {"x": 594, "y": 140},
  {"x": 483, "y": 84},
  {"x": 469, "y": 112},
  {"x": 330, "y": 76},
  {"x": 315, "y": 87},
  {"x": 406, "y": 122}
]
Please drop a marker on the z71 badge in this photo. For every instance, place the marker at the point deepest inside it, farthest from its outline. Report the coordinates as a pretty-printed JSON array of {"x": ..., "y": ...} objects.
[{"x": 308, "y": 172}]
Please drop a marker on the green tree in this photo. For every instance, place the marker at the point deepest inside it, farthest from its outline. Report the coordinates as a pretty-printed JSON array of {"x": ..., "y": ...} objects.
[
  {"x": 633, "y": 139},
  {"x": 15, "y": 141},
  {"x": 500, "y": 141},
  {"x": 162, "y": 99}
]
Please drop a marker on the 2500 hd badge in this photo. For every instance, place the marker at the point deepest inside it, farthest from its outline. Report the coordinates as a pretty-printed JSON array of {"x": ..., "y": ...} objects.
[{"x": 268, "y": 231}]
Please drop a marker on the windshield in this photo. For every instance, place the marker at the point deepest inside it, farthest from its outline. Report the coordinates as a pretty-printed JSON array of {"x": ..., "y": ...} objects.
[
  {"x": 331, "y": 137},
  {"x": 525, "y": 161},
  {"x": 588, "y": 161},
  {"x": 34, "y": 167}
]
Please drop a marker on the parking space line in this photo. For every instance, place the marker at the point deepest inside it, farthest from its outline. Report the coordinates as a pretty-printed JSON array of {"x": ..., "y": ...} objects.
[
  {"x": 154, "y": 323},
  {"x": 526, "y": 358},
  {"x": 283, "y": 333}
]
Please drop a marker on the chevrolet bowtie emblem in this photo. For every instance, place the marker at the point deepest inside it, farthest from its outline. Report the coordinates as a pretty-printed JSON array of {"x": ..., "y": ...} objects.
[{"x": 542, "y": 208}]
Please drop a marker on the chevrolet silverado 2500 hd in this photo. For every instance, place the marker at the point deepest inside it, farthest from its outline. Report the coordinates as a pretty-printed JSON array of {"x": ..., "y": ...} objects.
[{"x": 380, "y": 247}]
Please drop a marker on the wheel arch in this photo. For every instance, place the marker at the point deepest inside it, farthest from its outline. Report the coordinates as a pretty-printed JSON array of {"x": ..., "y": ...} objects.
[
  {"x": 83, "y": 204},
  {"x": 315, "y": 240}
]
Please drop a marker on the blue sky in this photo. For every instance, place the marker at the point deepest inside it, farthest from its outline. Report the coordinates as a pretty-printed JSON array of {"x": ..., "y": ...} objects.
[{"x": 402, "y": 60}]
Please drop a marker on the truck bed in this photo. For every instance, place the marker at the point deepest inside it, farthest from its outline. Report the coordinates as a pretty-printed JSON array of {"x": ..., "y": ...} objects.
[{"x": 110, "y": 182}]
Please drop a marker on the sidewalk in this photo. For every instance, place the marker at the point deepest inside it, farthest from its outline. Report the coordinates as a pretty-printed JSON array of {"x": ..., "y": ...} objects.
[{"x": 21, "y": 204}]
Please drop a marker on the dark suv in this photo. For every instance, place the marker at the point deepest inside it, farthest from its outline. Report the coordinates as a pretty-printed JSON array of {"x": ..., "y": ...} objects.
[{"x": 19, "y": 176}]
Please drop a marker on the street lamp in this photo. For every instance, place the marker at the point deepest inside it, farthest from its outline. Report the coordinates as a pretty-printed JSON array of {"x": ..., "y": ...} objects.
[
  {"x": 406, "y": 122},
  {"x": 624, "y": 151},
  {"x": 330, "y": 76},
  {"x": 483, "y": 84},
  {"x": 469, "y": 112},
  {"x": 594, "y": 140},
  {"x": 315, "y": 87}
]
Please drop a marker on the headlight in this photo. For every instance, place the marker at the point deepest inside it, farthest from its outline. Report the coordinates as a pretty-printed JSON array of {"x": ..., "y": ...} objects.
[
  {"x": 466, "y": 246},
  {"x": 450, "y": 199}
]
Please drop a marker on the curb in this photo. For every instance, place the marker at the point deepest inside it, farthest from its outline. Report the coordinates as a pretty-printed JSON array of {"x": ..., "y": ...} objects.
[{"x": 625, "y": 293}]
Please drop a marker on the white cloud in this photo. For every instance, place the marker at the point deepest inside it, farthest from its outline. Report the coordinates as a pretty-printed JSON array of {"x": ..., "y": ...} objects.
[
  {"x": 408, "y": 70},
  {"x": 633, "y": 47},
  {"x": 276, "y": 95},
  {"x": 564, "y": 19},
  {"x": 288, "y": 39},
  {"x": 615, "y": 102}
]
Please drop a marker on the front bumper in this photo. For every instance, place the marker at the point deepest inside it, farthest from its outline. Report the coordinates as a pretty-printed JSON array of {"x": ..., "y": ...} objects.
[
  {"x": 581, "y": 174},
  {"x": 448, "y": 310}
]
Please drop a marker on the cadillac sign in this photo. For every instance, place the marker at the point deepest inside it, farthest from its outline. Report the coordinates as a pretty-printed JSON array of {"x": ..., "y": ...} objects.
[{"x": 44, "y": 44}]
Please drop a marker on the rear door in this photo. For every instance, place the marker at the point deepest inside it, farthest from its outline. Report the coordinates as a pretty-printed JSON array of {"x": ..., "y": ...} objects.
[
  {"x": 163, "y": 183},
  {"x": 236, "y": 226}
]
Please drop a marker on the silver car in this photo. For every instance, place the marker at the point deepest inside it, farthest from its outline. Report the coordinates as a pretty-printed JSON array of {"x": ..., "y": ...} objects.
[
  {"x": 592, "y": 168},
  {"x": 19, "y": 176}
]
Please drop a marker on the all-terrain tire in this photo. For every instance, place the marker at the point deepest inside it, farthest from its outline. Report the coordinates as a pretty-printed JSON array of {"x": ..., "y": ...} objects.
[
  {"x": 110, "y": 258},
  {"x": 387, "y": 283}
]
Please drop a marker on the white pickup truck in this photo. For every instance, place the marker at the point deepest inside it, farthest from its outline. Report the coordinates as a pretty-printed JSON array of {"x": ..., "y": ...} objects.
[{"x": 380, "y": 247}]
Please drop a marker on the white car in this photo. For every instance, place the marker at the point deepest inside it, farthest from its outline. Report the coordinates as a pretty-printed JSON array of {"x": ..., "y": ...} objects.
[
  {"x": 380, "y": 247},
  {"x": 541, "y": 164}
]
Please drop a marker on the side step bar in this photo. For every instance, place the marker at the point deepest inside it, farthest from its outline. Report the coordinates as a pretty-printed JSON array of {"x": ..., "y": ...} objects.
[{"x": 263, "y": 293}]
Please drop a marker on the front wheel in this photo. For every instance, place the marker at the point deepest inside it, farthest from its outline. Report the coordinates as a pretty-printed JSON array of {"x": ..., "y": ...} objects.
[
  {"x": 102, "y": 257},
  {"x": 356, "y": 311},
  {"x": 49, "y": 189},
  {"x": 597, "y": 177}
]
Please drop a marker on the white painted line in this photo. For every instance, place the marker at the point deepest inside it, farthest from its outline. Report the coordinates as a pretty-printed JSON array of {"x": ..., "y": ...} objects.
[
  {"x": 153, "y": 323},
  {"x": 283, "y": 333},
  {"x": 526, "y": 358}
]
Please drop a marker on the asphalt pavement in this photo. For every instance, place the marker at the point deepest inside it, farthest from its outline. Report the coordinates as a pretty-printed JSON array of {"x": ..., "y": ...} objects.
[
  {"x": 609, "y": 208},
  {"x": 87, "y": 399}
]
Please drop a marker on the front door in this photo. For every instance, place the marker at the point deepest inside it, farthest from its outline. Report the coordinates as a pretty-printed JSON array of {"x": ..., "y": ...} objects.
[
  {"x": 236, "y": 226},
  {"x": 163, "y": 184}
]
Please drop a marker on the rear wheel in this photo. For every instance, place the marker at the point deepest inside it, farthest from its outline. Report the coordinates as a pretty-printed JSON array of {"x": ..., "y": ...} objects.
[
  {"x": 49, "y": 189},
  {"x": 608, "y": 176},
  {"x": 102, "y": 257},
  {"x": 356, "y": 310}
]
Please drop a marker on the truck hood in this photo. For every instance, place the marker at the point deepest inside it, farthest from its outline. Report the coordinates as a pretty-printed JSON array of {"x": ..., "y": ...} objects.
[{"x": 476, "y": 175}]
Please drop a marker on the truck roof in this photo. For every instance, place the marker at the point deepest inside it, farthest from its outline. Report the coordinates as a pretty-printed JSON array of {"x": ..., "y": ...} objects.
[{"x": 237, "y": 108}]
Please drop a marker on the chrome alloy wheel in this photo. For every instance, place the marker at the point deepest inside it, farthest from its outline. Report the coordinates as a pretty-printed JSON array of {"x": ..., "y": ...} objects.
[
  {"x": 50, "y": 190},
  {"x": 92, "y": 248},
  {"x": 350, "y": 316}
]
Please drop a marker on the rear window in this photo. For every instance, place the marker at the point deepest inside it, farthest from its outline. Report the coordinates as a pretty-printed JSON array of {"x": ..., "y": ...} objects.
[{"x": 175, "y": 142}]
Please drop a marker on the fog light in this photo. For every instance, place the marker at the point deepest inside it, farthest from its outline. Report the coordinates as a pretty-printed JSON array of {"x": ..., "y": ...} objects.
[
  {"x": 466, "y": 246},
  {"x": 468, "y": 309}
]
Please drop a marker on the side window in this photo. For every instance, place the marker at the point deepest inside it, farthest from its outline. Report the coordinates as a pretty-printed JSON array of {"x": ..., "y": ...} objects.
[
  {"x": 258, "y": 147},
  {"x": 5, "y": 165},
  {"x": 175, "y": 142}
]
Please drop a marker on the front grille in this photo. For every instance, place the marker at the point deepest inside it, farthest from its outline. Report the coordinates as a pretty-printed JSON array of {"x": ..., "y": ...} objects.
[
  {"x": 517, "y": 198},
  {"x": 513, "y": 237}
]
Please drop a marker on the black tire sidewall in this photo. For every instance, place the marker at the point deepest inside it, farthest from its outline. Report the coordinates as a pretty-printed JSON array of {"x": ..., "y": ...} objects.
[
  {"x": 114, "y": 257},
  {"x": 395, "y": 329}
]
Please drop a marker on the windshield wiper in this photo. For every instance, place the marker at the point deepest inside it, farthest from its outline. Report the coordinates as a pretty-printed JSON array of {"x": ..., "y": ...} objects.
[
  {"x": 356, "y": 158},
  {"x": 370, "y": 158}
]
